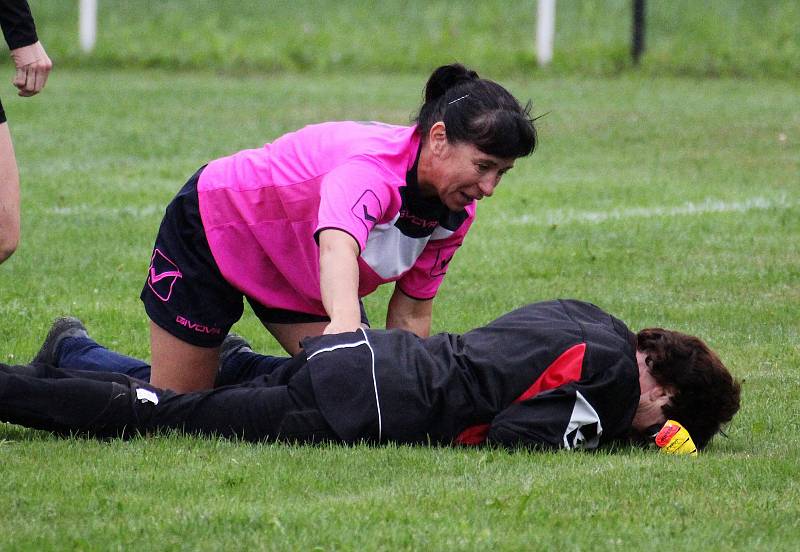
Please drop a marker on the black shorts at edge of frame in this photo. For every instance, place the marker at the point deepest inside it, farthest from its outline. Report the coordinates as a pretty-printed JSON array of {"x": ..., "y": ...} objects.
[{"x": 185, "y": 293}]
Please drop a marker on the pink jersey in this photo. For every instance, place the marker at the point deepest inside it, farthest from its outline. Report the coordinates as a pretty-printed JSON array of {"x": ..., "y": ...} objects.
[{"x": 262, "y": 209}]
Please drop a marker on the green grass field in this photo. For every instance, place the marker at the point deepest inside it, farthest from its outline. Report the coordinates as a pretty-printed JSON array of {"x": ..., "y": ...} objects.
[{"x": 668, "y": 200}]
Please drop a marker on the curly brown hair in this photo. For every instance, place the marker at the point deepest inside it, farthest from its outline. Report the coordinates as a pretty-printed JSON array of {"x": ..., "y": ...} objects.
[{"x": 706, "y": 395}]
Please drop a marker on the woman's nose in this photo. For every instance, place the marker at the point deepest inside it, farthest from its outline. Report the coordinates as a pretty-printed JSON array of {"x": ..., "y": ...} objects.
[{"x": 487, "y": 186}]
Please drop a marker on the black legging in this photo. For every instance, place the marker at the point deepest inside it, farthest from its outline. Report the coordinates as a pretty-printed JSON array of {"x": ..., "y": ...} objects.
[{"x": 277, "y": 406}]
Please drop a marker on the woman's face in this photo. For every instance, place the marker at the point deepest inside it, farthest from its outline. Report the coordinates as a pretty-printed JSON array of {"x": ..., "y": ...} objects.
[{"x": 458, "y": 173}]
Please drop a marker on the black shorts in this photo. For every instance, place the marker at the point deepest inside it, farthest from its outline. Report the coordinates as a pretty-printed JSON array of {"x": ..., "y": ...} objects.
[{"x": 185, "y": 293}]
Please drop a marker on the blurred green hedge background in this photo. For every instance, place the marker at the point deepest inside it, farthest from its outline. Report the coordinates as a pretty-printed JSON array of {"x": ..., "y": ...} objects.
[{"x": 748, "y": 38}]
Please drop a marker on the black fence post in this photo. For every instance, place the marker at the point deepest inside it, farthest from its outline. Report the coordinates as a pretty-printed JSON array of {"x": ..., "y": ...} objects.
[{"x": 637, "y": 42}]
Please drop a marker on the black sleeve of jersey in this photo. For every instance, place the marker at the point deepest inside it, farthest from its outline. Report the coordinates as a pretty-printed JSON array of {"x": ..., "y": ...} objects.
[
  {"x": 539, "y": 422},
  {"x": 585, "y": 414},
  {"x": 17, "y": 23},
  {"x": 559, "y": 418}
]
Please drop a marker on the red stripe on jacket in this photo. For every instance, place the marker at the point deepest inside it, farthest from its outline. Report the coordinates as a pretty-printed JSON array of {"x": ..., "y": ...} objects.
[{"x": 565, "y": 369}]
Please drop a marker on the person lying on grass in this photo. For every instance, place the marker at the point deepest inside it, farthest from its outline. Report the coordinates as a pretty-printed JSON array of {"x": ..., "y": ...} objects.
[{"x": 557, "y": 374}]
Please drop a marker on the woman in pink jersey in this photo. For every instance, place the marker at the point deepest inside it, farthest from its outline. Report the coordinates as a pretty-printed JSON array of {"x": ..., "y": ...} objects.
[{"x": 305, "y": 226}]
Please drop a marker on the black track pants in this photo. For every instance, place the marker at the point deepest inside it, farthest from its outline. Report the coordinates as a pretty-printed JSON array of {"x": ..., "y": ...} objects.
[{"x": 278, "y": 407}]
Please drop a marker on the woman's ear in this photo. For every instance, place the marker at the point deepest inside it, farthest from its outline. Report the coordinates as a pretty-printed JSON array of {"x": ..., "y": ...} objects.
[{"x": 437, "y": 137}]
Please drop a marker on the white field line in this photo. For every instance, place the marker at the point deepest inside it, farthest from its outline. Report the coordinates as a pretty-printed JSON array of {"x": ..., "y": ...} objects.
[
  {"x": 566, "y": 216},
  {"x": 106, "y": 212},
  {"x": 546, "y": 218}
]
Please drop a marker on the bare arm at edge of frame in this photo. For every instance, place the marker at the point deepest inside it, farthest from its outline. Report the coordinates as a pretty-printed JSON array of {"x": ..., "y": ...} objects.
[{"x": 9, "y": 195}]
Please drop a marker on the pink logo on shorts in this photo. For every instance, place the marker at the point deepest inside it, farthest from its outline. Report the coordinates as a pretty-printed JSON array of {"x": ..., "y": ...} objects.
[
  {"x": 162, "y": 275},
  {"x": 200, "y": 328}
]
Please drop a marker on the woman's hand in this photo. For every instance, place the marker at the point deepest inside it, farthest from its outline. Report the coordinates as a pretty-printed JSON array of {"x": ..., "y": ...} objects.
[{"x": 336, "y": 326}]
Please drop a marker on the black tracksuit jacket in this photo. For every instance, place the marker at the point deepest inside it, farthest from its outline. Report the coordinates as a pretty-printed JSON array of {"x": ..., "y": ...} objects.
[{"x": 555, "y": 374}]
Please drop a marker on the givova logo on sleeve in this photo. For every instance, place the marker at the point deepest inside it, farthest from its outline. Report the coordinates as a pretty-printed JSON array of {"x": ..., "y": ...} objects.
[{"x": 368, "y": 209}]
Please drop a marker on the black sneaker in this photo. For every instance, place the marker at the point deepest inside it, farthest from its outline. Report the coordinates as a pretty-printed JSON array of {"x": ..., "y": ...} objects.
[
  {"x": 232, "y": 344},
  {"x": 63, "y": 327}
]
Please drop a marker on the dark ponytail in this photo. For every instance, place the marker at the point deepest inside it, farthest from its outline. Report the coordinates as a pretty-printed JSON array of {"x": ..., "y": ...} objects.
[
  {"x": 476, "y": 111},
  {"x": 446, "y": 77}
]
